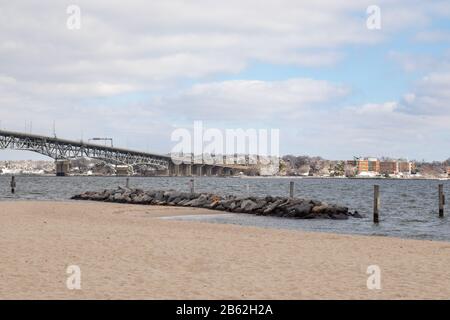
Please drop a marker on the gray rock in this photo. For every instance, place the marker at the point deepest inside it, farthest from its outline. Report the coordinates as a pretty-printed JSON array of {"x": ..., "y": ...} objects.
[
  {"x": 319, "y": 209},
  {"x": 159, "y": 196},
  {"x": 118, "y": 197},
  {"x": 248, "y": 205},
  {"x": 182, "y": 202},
  {"x": 272, "y": 206},
  {"x": 137, "y": 199},
  {"x": 232, "y": 205},
  {"x": 176, "y": 201},
  {"x": 226, "y": 204},
  {"x": 173, "y": 195},
  {"x": 146, "y": 198},
  {"x": 200, "y": 201},
  {"x": 303, "y": 209},
  {"x": 339, "y": 216}
]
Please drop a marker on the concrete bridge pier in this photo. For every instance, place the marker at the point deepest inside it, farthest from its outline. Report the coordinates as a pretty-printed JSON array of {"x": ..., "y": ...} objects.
[
  {"x": 197, "y": 169},
  {"x": 208, "y": 170},
  {"x": 181, "y": 169},
  {"x": 174, "y": 169},
  {"x": 217, "y": 171},
  {"x": 227, "y": 171},
  {"x": 62, "y": 167},
  {"x": 185, "y": 170}
]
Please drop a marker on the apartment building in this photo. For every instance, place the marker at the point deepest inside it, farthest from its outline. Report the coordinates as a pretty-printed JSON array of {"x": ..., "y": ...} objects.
[
  {"x": 375, "y": 166},
  {"x": 405, "y": 167},
  {"x": 365, "y": 165},
  {"x": 388, "y": 167}
]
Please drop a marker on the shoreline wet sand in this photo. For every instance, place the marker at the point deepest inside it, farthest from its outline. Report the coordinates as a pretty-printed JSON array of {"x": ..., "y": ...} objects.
[{"x": 127, "y": 252}]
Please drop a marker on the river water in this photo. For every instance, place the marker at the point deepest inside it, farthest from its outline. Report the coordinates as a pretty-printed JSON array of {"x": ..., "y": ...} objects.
[{"x": 409, "y": 208}]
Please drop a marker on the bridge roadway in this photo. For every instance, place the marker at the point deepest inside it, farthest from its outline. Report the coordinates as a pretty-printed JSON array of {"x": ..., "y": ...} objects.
[{"x": 62, "y": 149}]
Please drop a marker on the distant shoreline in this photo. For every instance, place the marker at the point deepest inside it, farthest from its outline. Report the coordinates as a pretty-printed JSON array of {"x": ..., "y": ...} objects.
[{"x": 241, "y": 177}]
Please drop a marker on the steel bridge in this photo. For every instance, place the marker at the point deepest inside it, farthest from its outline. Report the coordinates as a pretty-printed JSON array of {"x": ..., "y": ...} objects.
[{"x": 61, "y": 149}]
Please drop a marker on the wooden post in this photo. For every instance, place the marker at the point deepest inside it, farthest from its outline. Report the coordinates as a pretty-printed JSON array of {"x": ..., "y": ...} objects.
[
  {"x": 441, "y": 200},
  {"x": 13, "y": 184},
  {"x": 128, "y": 183},
  {"x": 376, "y": 202},
  {"x": 191, "y": 185},
  {"x": 291, "y": 189}
]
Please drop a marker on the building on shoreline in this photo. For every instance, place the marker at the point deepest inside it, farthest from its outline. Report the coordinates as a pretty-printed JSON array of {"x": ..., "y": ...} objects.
[
  {"x": 373, "y": 166},
  {"x": 365, "y": 166},
  {"x": 389, "y": 167}
]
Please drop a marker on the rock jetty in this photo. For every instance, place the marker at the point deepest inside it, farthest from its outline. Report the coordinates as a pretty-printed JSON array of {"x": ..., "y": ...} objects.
[{"x": 264, "y": 206}]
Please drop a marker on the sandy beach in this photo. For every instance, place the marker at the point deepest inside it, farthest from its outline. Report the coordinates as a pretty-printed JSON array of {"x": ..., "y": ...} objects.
[{"x": 127, "y": 252}]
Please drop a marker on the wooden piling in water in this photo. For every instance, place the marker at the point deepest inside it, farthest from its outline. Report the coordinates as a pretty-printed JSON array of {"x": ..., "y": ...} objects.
[
  {"x": 127, "y": 184},
  {"x": 376, "y": 203},
  {"x": 441, "y": 200},
  {"x": 291, "y": 189},
  {"x": 191, "y": 185},
  {"x": 13, "y": 184}
]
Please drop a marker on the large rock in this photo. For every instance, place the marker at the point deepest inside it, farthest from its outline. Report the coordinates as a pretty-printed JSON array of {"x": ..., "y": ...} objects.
[
  {"x": 200, "y": 201},
  {"x": 159, "y": 196},
  {"x": 272, "y": 206},
  {"x": 320, "y": 208},
  {"x": 173, "y": 195},
  {"x": 339, "y": 216},
  {"x": 248, "y": 205},
  {"x": 302, "y": 210},
  {"x": 118, "y": 197}
]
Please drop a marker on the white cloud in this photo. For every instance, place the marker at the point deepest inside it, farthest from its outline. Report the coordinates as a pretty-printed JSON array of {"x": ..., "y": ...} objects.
[
  {"x": 431, "y": 95},
  {"x": 240, "y": 100},
  {"x": 371, "y": 109},
  {"x": 153, "y": 41},
  {"x": 153, "y": 44}
]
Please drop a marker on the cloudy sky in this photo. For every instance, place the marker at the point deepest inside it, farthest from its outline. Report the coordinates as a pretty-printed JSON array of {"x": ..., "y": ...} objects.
[{"x": 137, "y": 70}]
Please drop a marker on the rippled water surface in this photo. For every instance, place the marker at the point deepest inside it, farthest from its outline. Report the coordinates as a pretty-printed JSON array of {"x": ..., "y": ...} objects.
[{"x": 409, "y": 208}]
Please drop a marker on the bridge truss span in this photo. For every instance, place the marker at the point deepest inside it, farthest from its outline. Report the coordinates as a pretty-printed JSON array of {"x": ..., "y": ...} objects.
[{"x": 60, "y": 149}]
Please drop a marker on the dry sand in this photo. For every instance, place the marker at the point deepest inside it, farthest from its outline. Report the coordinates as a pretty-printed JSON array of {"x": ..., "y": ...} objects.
[{"x": 126, "y": 252}]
